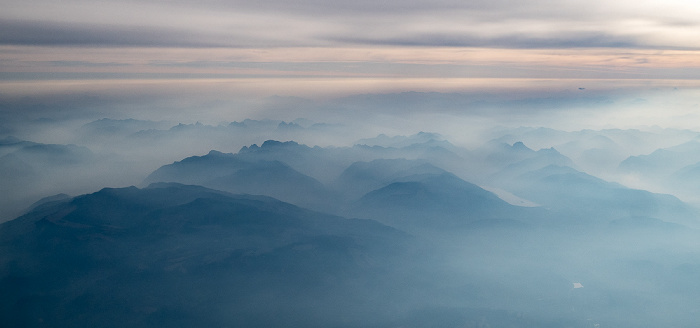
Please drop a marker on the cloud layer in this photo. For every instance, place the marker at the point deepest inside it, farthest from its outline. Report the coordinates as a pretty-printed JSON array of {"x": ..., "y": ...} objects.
[{"x": 507, "y": 24}]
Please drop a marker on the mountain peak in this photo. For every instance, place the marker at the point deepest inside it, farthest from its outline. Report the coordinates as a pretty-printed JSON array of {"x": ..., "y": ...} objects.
[
  {"x": 519, "y": 145},
  {"x": 273, "y": 145},
  {"x": 10, "y": 140},
  {"x": 214, "y": 153}
]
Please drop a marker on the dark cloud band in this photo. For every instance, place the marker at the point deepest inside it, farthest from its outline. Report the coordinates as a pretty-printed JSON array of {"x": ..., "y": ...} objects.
[{"x": 65, "y": 34}]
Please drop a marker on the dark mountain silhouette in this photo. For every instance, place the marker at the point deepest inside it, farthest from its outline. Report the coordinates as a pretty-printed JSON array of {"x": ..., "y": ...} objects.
[
  {"x": 179, "y": 255},
  {"x": 191, "y": 256}
]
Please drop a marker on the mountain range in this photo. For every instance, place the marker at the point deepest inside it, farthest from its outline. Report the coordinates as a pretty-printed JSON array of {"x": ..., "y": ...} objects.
[{"x": 388, "y": 232}]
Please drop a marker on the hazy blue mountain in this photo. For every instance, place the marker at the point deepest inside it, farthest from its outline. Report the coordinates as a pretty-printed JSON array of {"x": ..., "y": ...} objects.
[
  {"x": 271, "y": 169},
  {"x": 277, "y": 180},
  {"x": 670, "y": 170},
  {"x": 11, "y": 141},
  {"x": 198, "y": 169},
  {"x": 363, "y": 177},
  {"x": 427, "y": 147},
  {"x": 323, "y": 164},
  {"x": 183, "y": 255},
  {"x": 523, "y": 161},
  {"x": 262, "y": 124},
  {"x": 239, "y": 173},
  {"x": 49, "y": 199},
  {"x": 284, "y": 126},
  {"x": 662, "y": 162},
  {"x": 187, "y": 256},
  {"x": 584, "y": 196},
  {"x": 10, "y": 144},
  {"x": 631, "y": 141},
  {"x": 532, "y": 134},
  {"x": 493, "y": 156},
  {"x": 436, "y": 202},
  {"x": 290, "y": 171},
  {"x": 422, "y": 138},
  {"x": 327, "y": 163},
  {"x": 180, "y": 255},
  {"x": 597, "y": 154}
]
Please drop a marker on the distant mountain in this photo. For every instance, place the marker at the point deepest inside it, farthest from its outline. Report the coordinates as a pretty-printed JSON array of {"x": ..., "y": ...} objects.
[
  {"x": 11, "y": 144},
  {"x": 493, "y": 156},
  {"x": 263, "y": 124},
  {"x": 498, "y": 161},
  {"x": 306, "y": 176},
  {"x": 581, "y": 195},
  {"x": 662, "y": 162},
  {"x": 198, "y": 169},
  {"x": 421, "y": 138},
  {"x": 323, "y": 164},
  {"x": 239, "y": 173},
  {"x": 363, "y": 177},
  {"x": 436, "y": 202},
  {"x": 179, "y": 255},
  {"x": 597, "y": 152},
  {"x": 327, "y": 163},
  {"x": 183, "y": 255},
  {"x": 50, "y": 199},
  {"x": 189, "y": 256},
  {"x": 630, "y": 141},
  {"x": 277, "y": 180},
  {"x": 523, "y": 160}
]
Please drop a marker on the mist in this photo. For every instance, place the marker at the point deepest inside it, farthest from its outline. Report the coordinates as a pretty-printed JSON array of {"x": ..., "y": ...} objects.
[
  {"x": 126, "y": 129},
  {"x": 531, "y": 203}
]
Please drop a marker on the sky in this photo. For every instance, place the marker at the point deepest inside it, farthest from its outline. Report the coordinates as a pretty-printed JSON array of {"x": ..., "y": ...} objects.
[{"x": 326, "y": 49}]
